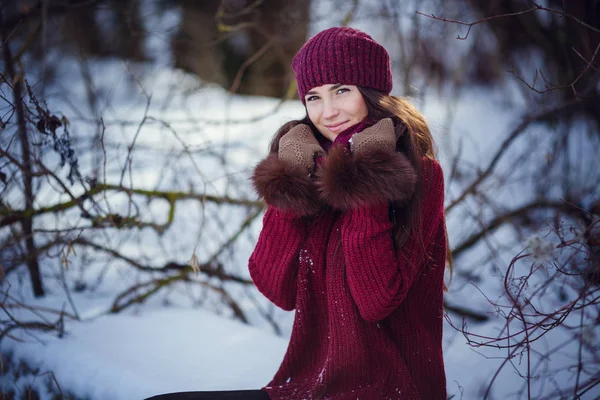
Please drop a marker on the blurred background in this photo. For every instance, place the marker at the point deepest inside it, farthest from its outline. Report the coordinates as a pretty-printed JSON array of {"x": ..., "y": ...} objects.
[{"x": 129, "y": 128}]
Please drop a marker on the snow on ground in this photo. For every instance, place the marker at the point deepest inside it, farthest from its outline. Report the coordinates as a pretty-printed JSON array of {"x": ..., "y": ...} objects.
[{"x": 135, "y": 356}]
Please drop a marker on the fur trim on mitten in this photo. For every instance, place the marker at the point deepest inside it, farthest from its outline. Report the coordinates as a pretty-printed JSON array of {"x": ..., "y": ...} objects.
[
  {"x": 348, "y": 180},
  {"x": 288, "y": 190}
]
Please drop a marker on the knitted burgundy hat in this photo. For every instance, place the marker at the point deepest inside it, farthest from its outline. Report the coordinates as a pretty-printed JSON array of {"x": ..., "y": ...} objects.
[{"x": 342, "y": 55}]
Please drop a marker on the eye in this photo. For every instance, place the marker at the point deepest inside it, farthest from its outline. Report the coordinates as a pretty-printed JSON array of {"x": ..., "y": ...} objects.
[
  {"x": 342, "y": 90},
  {"x": 312, "y": 98}
]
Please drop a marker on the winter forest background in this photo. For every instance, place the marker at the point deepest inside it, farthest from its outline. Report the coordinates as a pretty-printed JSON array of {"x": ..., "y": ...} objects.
[{"x": 128, "y": 129}]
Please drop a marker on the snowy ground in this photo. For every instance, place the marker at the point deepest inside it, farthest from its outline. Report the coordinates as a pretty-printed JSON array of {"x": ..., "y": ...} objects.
[{"x": 169, "y": 350}]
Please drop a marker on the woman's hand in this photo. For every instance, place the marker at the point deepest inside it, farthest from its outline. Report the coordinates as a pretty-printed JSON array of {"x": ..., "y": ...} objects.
[
  {"x": 379, "y": 137},
  {"x": 284, "y": 179},
  {"x": 299, "y": 148},
  {"x": 373, "y": 172}
]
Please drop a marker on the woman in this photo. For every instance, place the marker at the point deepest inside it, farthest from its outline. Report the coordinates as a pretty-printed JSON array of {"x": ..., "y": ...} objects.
[{"x": 354, "y": 237}]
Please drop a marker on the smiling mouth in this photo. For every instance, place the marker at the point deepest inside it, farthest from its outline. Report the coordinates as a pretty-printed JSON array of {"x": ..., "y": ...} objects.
[{"x": 335, "y": 127}]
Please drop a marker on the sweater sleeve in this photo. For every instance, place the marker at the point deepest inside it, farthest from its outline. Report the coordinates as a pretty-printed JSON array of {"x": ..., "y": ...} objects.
[
  {"x": 273, "y": 264},
  {"x": 378, "y": 276}
]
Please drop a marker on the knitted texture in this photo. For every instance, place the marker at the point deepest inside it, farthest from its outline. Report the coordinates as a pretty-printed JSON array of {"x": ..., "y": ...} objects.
[
  {"x": 380, "y": 137},
  {"x": 342, "y": 55},
  {"x": 299, "y": 147},
  {"x": 368, "y": 322},
  {"x": 344, "y": 136}
]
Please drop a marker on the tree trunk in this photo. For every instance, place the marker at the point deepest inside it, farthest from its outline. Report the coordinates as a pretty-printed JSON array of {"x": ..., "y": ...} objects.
[{"x": 27, "y": 223}]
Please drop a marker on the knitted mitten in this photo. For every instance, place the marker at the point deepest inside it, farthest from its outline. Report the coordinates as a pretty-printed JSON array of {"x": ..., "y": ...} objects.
[
  {"x": 284, "y": 179},
  {"x": 379, "y": 137},
  {"x": 373, "y": 172},
  {"x": 298, "y": 149}
]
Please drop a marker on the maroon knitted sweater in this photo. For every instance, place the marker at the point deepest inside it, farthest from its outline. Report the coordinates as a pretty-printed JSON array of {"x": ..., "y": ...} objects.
[{"x": 368, "y": 321}]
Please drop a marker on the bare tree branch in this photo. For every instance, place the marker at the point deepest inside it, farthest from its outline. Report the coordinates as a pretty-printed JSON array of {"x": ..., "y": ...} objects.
[
  {"x": 12, "y": 216},
  {"x": 504, "y": 146}
]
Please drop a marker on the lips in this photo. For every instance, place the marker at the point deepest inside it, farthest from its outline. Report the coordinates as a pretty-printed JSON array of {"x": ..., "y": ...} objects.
[{"x": 335, "y": 127}]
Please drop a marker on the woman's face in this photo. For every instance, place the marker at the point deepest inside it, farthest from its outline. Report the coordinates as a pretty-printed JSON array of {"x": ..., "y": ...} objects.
[{"x": 335, "y": 107}]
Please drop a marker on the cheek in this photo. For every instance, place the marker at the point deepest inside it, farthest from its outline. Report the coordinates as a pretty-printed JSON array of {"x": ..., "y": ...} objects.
[
  {"x": 314, "y": 114},
  {"x": 359, "y": 109},
  {"x": 355, "y": 106},
  {"x": 364, "y": 111}
]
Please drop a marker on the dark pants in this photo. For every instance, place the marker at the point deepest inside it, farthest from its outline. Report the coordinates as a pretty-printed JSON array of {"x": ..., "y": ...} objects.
[{"x": 225, "y": 395}]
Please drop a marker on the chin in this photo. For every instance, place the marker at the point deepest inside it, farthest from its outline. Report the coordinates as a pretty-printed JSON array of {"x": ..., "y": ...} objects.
[{"x": 328, "y": 135}]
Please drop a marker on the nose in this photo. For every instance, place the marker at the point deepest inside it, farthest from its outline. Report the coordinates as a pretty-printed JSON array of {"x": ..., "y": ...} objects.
[{"x": 330, "y": 110}]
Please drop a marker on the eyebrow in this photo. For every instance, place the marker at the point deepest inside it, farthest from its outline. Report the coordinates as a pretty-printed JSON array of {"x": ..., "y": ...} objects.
[{"x": 334, "y": 87}]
